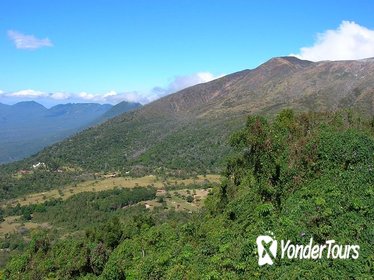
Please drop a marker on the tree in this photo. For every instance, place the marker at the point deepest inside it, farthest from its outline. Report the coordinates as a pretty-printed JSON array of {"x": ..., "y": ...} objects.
[
  {"x": 26, "y": 213},
  {"x": 1, "y": 215}
]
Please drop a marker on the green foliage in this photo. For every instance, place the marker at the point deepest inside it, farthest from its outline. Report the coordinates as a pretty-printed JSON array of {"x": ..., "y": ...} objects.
[
  {"x": 300, "y": 176},
  {"x": 27, "y": 210},
  {"x": 84, "y": 209},
  {"x": 160, "y": 146},
  {"x": 193, "y": 186},
  {"x": 12, "y": 186}
]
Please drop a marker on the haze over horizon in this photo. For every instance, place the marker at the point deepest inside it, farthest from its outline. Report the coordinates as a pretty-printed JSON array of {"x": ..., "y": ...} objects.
[{"x": 55, "y": 53}]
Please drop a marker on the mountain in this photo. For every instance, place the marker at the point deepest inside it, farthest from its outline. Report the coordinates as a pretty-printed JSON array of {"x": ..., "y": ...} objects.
[
  {"x": 305, "y": 179},
  {"x": 119, "y": 109},
  {"x": 16, "y": 114},
  {"x": 188, "y": 131},
  {"x": 280, "y": 82},
  {"x": 27, "y": 127}
]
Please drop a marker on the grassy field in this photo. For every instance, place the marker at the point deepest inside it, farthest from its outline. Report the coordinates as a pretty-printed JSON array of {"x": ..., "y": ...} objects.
[
  {"x": 174, "y": 199},
  {"x": 177, "y": 200},
  {"x": 106, "y": 184},
  {"x": 14, "y": 224}
]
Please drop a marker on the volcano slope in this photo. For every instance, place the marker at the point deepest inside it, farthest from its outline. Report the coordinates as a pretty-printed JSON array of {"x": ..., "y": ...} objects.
[{"x": 186, "y": 132}]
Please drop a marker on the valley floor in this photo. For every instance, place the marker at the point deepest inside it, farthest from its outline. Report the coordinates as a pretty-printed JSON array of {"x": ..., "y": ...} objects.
[{"x": 175, "y": 198}]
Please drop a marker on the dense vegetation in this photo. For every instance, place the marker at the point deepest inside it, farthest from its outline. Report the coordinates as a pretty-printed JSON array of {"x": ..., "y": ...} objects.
[
  {"x": 27, "y": 127},
  {"x": 196, "y": 148},
  {"x": 303, "y": 176},
  {"x": 83, "y": 209},
  {"x": 187, "y": 132},
  {"x": 14, "y": 185},
  {"x": 72, "y": 216}
]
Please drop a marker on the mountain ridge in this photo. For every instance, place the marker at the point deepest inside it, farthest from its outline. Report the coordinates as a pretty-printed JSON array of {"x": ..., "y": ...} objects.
[
  {"x": 189, "y": 129},
  {"x": 118, "y": 109},
  {"x": 282, "y": 70},
  {"x": 26, "y": 127}
]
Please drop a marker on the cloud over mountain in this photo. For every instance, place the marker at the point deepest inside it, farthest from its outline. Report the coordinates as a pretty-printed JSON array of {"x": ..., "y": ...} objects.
[
  {"x": 27, "y": 93},
  {"x": 348, "y": 42},
  {"x": 179, "y": 83},
  {"x": 112, "y": 97}
]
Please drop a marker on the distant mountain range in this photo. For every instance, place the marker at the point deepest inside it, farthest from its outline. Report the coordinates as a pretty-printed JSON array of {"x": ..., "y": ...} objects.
[
  {"x": 119, "y": 109},
  {"x": 189, "y": 129},
  {"x": 27, "y": 127}
]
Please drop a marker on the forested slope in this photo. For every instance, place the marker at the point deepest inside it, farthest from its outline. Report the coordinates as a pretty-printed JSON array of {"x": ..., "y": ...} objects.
[
  {"x": 299, "y": 176},
  {"x": 186, "y": 132}
]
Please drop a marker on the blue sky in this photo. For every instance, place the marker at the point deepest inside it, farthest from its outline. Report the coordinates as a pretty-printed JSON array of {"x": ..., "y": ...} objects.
[{"x": 108, "y": 50}]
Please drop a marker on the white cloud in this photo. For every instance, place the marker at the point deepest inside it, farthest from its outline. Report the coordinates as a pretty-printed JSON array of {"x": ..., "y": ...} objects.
[
  {"x": 135, "y": 96},
  {"x": 181, "y": 82},
  {"x": 60, "y": 95},
  {"x": 28, "y": 93},
  {"x": 86, "y": 96},
  {"x": 1, "y": 92},
  {"x": 23, "y": 41},
  {"x": 110, "y": 94},
  {"x": 144, "y": 97},
  {"x": 349, "y": 41},
  {"x": 112, "y": 97}
]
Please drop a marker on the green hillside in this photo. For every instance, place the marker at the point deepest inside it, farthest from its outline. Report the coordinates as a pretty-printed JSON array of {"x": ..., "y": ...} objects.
[
  {"x": 119, "y": 109},
  {"x": 186, "y": 132},
  {"x": 297, "y": 175},
  {"x": 28, "y": 127}
]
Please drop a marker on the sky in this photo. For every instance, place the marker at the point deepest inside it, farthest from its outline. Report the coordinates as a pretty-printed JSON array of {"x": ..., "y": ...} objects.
[{"x": 107, "y": 51}]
